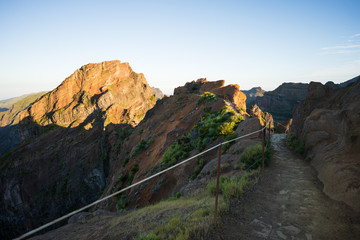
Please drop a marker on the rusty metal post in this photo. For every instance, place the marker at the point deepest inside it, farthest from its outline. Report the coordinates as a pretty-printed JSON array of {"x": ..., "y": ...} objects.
[
  {"x": 265, "y": 129},
  {"x": 217, "y": 185},
  {"x": 263, "y": 151}
]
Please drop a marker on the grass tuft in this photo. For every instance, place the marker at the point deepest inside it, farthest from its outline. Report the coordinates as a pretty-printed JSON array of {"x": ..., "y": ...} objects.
[
  {"x": 295, "y": 144},
  {"x": 233, "y": 187}
]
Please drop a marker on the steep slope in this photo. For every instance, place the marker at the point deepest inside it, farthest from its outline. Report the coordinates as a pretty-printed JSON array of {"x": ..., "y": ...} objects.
[
  {"x": 62, "y": 162},
  {"x": 178, "y": 127},
  {"x": 282, "y": 100},
  {"x": 327, "y": 123},
  {"x": 171, "y": 128}
]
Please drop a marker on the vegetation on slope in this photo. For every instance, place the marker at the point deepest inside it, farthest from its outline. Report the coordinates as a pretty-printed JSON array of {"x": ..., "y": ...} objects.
[
  {"x": 191, "y": 217},
  {"x": 207, "y": 129}
]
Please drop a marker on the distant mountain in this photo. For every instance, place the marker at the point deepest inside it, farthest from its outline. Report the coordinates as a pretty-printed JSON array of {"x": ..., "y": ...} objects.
[
  {"x": 341, "y": 85},
  {"x": 7, "y": 103},
  {"x": 253, "y": 93},
  {"x": 158, "y": 93},
  {"x": 279, "y": 102},
  {"x": 15, "y": 105}
]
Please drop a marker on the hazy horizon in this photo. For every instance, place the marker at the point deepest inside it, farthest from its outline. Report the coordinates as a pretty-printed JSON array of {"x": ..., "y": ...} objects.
[{"x": 246, "y": 43}]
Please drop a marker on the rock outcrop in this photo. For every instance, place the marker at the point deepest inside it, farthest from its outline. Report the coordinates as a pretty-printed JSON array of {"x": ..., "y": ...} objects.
[
  {"x": 281, "y": 102},
  {"x": 264, "y": 117},
  {"x": 327, "y": 123},
  {"x": 62, "y": 162},
  {"x": 230, "y": 92},
  {"x": 283, "y": 127}
]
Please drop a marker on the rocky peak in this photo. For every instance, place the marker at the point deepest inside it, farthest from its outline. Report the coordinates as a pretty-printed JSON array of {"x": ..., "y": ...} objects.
[{"x": 109, "y": 86}]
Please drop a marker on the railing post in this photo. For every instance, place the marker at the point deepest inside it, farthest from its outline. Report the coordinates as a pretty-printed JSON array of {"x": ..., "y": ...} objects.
[
  {"x": 217, "y": 185},
  {"x": 263, "y": 150}
]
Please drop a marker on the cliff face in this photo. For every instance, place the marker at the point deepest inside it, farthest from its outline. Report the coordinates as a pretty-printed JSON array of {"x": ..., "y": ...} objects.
[
  {"x": 328, "y": 125},
  {"x": 62, "y": 162},
  {"x": 281, "y": 102}
]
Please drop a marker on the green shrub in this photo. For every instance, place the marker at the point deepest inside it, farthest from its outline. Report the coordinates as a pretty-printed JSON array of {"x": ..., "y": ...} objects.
[
  {"x": 252, "y": 158},
  {"x": 207, "y": 109},
  {"x": 295, "y": 144},
  {"x": 227, "y": 128},
  {"x": 141, "y": 147},
  {"x": 126, "y": 161},
  {"x": 232, "y": 187},
  {"x": 179, "y": 150},
  {"x": 207, "y": 97},
  {"x": 177, "y": 196},
  {"x": 133, "y": 170},
  {"x": 208, "y": 128},
  {"x": 153, "y": 98},
  {"x": 122, "y": 178},
  {"x": 121, "y": 202}
]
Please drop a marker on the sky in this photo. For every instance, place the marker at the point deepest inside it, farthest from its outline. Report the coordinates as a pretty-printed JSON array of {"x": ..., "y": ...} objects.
[{"x": 249, "y": 43}]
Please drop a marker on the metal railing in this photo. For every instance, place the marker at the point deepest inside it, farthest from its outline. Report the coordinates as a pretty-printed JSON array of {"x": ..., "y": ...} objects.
[{"x": 263, "y": 130}]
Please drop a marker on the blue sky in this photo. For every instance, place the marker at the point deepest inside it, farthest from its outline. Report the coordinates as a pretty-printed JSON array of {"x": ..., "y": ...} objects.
[{"x": 250, "y": 43}]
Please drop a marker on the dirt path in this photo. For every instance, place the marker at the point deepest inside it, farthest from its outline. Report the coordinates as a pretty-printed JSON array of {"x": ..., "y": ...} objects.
[{"x": 288, "y": 204}]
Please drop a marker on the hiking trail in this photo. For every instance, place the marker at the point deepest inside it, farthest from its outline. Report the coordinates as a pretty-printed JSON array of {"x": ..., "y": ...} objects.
[{"x": 288, "y": 204}]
